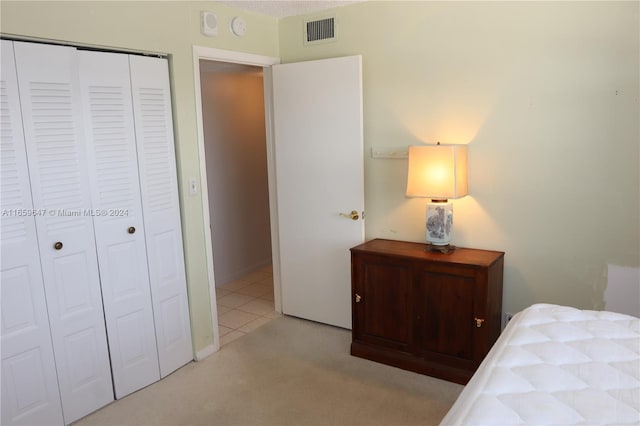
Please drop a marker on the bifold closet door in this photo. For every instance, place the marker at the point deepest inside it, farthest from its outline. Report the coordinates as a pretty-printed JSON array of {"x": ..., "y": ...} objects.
[
  {"x": 29, "y": 383},
  {"x": 55, "y": 144},
  {"x": 160, "y": 203},
  {"x": 118, "y": 221}
]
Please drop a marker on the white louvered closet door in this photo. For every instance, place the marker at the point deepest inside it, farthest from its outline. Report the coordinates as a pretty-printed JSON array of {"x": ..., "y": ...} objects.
[
  {"x": 52, "y": 117},
  {"x": 122, "y": 255},
  {"x": 29, "y": 384},
  {"x": 160, "y": 203}
]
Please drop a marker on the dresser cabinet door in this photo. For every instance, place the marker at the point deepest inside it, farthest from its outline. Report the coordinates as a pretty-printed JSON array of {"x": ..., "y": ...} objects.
[
  {"x": 382, "y": 302},
  {"x": 444, "y": 304}
]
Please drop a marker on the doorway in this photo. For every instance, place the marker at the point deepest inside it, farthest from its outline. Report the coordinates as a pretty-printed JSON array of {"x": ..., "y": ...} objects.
[
  {"x": 201, "y": 53},
  {"x": 233, "y": 111}
]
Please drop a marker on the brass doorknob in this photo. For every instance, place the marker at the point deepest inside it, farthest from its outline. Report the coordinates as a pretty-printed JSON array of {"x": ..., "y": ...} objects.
[
  {"x": 479, "y": 322},
  {"x": 358, "y": 298},
  {"x": 353, "y": 215},
  {"x": 131, "y": 230},
  {"x": 57, "y": 245}
]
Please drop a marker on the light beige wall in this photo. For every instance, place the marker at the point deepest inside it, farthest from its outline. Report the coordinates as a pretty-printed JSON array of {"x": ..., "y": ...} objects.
[
  {"x": 545, "y": 94},
  {"x": 169, "y": 27}
]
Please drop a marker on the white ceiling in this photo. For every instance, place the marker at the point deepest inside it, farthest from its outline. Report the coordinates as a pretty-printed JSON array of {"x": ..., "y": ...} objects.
[{"x": 281, "y": 9}]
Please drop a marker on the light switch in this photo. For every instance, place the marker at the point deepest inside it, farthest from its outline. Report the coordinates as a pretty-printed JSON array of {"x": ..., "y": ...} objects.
[{"x": 193, "y": 186}]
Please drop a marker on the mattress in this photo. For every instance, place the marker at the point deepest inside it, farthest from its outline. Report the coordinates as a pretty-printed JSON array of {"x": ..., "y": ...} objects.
[{"x": 556, "y": 365}]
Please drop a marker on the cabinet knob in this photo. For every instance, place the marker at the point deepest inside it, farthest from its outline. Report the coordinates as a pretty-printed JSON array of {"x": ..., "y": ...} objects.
[
  {"x": 479, "y": 322},
  {"x": 57, "y": 245},
  {"x": 131, "y": 230},
  {"x": 358, "y": 298}
]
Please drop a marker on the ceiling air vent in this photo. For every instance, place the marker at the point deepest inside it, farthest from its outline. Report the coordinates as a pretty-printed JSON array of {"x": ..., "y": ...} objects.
[{"x": 320, "y": 30}]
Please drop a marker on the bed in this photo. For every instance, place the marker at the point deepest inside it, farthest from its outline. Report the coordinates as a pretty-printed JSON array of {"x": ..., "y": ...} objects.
[{"x": 557, "y": 365}]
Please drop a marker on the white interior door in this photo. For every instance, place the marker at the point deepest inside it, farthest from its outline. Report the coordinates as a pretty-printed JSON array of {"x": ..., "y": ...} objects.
[
  {"x": 29, "y": 383},
  {"x": 158, "y": 181},
  {"x": 119, "y": 228},
  {"x": 319, "y": 174},
  {"x": 52, "y": 118}
]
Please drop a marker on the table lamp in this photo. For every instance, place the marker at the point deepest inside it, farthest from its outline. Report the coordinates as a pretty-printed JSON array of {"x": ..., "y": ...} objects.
[{"x": 438, "y": 172}]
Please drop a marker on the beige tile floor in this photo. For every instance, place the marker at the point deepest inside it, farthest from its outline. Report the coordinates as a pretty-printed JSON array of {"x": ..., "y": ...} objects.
[{"x": 245, "y": 304}]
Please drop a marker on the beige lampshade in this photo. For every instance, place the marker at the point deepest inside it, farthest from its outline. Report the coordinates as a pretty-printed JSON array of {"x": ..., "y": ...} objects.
[{"x": 437, "y": 171}]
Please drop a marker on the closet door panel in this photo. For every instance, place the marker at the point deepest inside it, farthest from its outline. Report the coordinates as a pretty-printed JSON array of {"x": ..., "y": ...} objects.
[
  {"x": 50, "y": 104},
  {"x": 122, "y": 255},
  {"x": 158, "y": 179},
  {"x": 29, "y": 382}
]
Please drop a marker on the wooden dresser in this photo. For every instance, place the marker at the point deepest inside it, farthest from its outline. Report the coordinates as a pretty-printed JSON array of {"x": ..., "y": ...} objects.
[{"x": 428, "y": 312}]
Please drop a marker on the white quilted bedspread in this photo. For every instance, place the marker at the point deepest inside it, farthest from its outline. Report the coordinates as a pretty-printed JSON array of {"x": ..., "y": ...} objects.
[{"x": 556, "y": 365}]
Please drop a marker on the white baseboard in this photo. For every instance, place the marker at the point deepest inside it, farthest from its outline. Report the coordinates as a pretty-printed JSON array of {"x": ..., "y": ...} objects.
[{"x": 206, "y": 352}]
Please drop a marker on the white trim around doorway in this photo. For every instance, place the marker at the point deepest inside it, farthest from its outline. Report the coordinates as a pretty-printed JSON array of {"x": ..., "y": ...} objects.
[{"x": 212, "y": 54}]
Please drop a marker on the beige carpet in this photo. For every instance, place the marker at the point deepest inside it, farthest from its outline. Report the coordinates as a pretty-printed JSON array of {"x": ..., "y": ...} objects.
[{"x": 287, "y": 372}]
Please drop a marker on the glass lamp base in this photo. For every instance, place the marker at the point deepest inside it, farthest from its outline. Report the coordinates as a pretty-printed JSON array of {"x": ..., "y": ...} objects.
[{"x": 439, "y": 222}]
